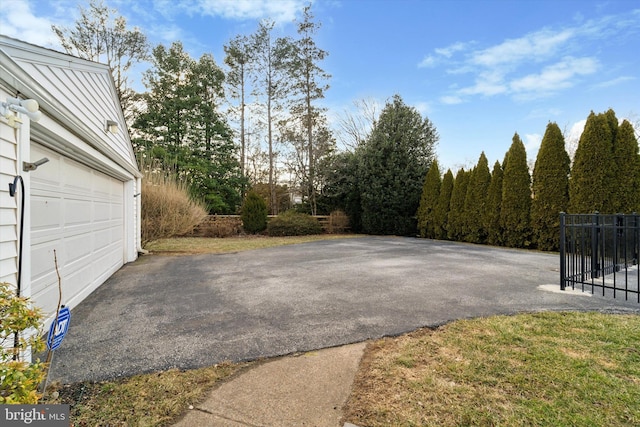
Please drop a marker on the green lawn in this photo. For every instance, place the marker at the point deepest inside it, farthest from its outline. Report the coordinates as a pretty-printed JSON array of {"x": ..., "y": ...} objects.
[{"x": 544, "y": 369}]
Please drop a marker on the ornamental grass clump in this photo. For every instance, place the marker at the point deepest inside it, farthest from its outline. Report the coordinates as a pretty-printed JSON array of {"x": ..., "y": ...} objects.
[{"x": 168, "y": 209}]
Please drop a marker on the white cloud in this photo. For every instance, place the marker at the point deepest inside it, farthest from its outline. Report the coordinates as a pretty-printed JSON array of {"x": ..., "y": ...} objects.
[
  {"x": 423, "y": 108},
  {"x": 532, "y": 143},
  {"x": 535, "y": 47},
  {"x": 448, "y": 51},
  {"x": 538, "y": 64},
  {"x": 279, "y": 11},
  {"x": 552, "y": 78},
  {"x": 572, "y": 137},
  {"x": 441, "y": 53},
  {"x": 451, "y": 100},
  {"x": 614, "y": 82},
  {"x": 17, "y": 20},
  {"x": 429, "y": 61},
  {"x": 488, "y": 83}
]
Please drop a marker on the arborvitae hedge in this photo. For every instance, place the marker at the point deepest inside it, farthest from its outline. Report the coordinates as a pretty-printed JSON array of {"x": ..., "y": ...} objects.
[
  {"x": 550, "y": 189},
  {"x": 516, "y": 197},
  {"x": 442, "y": 207},
  {"x": 590, "y": 184},
  {"x": 626, "y": 188},
  {"x": 494, "y": 202},
  {"x": 455, "y": 221},
  {"x": 475, "y": 202},
  {"x": 428, "y": 201}
]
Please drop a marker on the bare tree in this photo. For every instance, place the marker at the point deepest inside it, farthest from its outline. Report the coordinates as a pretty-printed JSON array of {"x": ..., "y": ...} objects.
[
  {"x": 354, "y": 127},
  {"x": 308, "y": 87},
  {"x": 272, "y": 86},
  {"x": 238, "y": 59},
  {"x": 101, "y": 35}
]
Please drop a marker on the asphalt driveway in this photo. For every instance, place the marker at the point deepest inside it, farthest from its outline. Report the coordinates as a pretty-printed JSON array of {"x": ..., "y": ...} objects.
[{"x": 191, "y": 311}]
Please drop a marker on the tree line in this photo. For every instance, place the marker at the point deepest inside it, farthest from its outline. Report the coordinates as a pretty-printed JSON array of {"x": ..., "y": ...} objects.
[
  {"x": 252, "y": 121},
  {"x": 512, "y": 207},
  {"x": 256, "y": 122}
]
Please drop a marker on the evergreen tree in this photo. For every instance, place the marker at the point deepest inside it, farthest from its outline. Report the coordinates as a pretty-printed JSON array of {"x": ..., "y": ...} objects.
[
  {"x": 455, "y": 220},
  {"x": 341, "y": 188},
  {"x": 590, "y": 184},
  {"x": 494, "y": 203},
  {"x": 550, "y": 189},
  {"x": 626, "y": 189},
  {"x": 254, "y": 213},
  {"x": 183, "y": 129},
  {"x": 475, "y": 203},
  {"x": 393, "y": 164},
  {"x": 441, "y": 211},
  {"x": 516, "y": 197},
  {"x": 428, "y": 202}
]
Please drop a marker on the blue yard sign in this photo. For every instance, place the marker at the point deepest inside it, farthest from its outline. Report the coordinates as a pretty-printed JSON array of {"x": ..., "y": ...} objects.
[{"x": 59, "y": 328}]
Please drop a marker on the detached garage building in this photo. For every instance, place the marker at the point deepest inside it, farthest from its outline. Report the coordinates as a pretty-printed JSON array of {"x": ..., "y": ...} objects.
[{"x": 82, "y": 203}]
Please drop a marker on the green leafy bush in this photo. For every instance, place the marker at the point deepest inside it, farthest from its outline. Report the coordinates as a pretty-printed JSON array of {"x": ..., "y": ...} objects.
[
  {"x": 19, "y": 379},
  {"x": 254, "y": 213},
  {"x": 291, "y": 223}
]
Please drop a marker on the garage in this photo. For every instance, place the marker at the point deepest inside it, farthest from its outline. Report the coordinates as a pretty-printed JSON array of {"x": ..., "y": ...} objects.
[
  {"x": 74, "y": 219},
  {"x": 78, "y": 212}
]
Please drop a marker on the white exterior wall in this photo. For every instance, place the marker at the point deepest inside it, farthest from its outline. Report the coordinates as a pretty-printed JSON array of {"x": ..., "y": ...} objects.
[{"x": 8, "y": 205}]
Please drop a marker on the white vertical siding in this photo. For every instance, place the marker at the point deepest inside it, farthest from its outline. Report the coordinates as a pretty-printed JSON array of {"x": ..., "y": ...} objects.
[{"x": 8, "y": 207}]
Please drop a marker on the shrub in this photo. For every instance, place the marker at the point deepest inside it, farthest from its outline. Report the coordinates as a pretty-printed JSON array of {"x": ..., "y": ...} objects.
[
  {"x": 167, "y": 208},
  {"x": 338, "y": 222},
  {"x": 218, "y": 226},
  {"x": 19, "y": 379},
  {"x": 291, "y": 223},
  {"x": 254, "y": 213}
]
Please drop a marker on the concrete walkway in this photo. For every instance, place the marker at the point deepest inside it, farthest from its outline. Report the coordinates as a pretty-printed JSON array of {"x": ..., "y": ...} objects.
[{"x": 303, "y": 390}]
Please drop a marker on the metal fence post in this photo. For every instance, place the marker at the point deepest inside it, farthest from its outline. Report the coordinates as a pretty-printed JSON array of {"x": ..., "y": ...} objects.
[
  {"x": 595, "y": 259},
  {"x": 563, "y": 259}
]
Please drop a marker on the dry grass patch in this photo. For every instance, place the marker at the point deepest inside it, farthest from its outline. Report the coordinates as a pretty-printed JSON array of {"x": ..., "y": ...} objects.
[
  {"x": 202, "y": 245},
  {"x": 578, "y": 369},
  {"x": 155, "y": 399}
]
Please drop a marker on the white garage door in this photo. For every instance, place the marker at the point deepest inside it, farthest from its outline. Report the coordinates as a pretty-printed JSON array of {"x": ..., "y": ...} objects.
[{"x": 79, "y": 213}]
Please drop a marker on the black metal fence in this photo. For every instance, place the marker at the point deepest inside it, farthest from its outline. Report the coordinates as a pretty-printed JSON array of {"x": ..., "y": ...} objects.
[{"x": 600, "y": 252}]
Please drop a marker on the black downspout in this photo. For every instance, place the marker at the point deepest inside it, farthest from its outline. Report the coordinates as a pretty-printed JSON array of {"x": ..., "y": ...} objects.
[{"x": 12, "y": 193}]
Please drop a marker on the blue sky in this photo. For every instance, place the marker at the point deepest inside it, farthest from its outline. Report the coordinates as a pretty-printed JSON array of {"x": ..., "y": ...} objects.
[{"x": 480, "y": 70}]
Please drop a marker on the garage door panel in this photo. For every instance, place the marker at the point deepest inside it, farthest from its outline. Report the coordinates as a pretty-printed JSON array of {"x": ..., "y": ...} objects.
[
  {"x": 42, "y": 261},
  {"x": 45, "y": 213},
  {"x": 47, "y": 299},
  {"x": 76, "y": 248},
  {"x": 79, "y": 211},
  {"x": 102, "y": 211}
]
